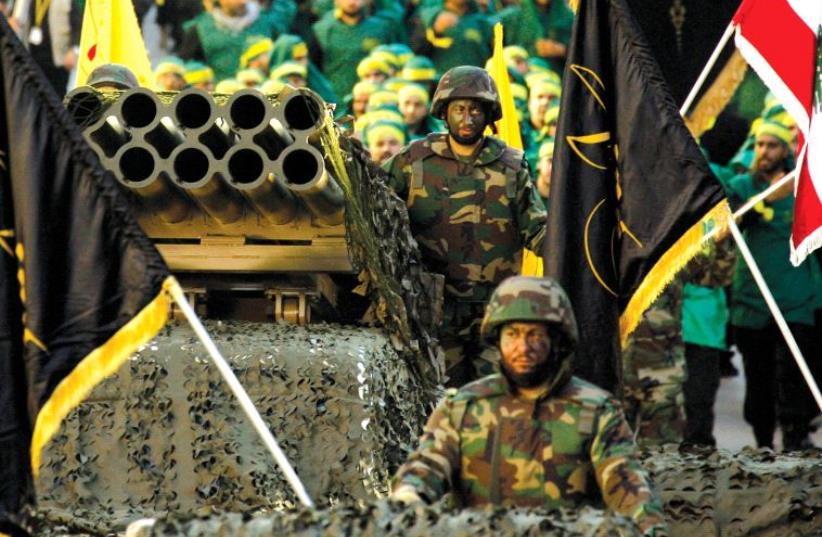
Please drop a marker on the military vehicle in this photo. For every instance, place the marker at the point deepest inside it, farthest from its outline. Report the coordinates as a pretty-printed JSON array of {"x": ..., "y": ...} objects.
[{"x": 270, "y": 216}]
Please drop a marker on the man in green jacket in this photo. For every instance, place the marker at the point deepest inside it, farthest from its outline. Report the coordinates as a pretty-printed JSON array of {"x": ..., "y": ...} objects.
[
  {"x": 345, "y": 36},
  {"x": 532, "y": 435},
  {"x": 774, "y": 388},
  {"x": 219, "y": 37}
]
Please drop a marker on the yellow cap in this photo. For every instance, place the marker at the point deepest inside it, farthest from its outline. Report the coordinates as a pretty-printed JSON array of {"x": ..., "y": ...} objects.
[
  {"x": 370, "y": 64},
  {"x": 415, "y": 90},
  {"x": 228, "y": 86},
  {"x": 383, "y": 129},
  {"x": 382, "y": 98},
  {"x": 262, "y": 46},
  {"x": 777, "y": 130},
  {"x": 250, "y": 76},
  {"x": 286, "y": 69}
]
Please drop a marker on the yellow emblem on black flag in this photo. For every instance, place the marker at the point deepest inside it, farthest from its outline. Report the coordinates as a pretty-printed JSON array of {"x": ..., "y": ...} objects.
[
  {"x": 631, "y": 194},
  {"x": 83, "y": 287}
]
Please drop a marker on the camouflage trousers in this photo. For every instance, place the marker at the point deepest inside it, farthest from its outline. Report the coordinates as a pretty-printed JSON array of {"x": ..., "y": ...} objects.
[
  {"x": 654, "y": 402},
  {"x": 466, "y": 358}
]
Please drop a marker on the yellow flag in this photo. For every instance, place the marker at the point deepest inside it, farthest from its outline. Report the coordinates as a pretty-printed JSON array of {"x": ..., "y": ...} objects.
[
  {"x": 111, "y": 34},
  {"x": 508, "y": 126},
  {"x": 508, "y": 130}
]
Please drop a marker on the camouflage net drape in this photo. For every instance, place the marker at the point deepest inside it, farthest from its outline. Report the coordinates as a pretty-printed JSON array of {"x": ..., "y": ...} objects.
[{"x": 384, "y": 251}]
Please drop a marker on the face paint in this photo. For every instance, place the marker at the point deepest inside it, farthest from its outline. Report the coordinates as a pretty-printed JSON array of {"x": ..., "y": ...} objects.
[
  {"x": 466, "y": 119},
  {"x": 525, "y": 349}
]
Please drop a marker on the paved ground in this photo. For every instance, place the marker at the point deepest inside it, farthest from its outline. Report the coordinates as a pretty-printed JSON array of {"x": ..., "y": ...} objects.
[{"x": 730, "y": 429}]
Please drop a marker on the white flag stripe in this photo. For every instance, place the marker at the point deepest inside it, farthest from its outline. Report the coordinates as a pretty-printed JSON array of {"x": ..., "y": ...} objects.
[{"x": 810, "y": 11}]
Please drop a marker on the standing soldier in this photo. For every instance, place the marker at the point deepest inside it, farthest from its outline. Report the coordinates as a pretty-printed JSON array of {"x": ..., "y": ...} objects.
[
  {"x": 472, "y": 207},
  {"x": 532, "y": 435}
]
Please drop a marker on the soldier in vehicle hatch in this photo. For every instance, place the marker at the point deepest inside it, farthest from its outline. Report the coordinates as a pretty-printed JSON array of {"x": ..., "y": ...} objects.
[
  {"x": 532, "y": 435},
  {"x": 473, "y": 207}
]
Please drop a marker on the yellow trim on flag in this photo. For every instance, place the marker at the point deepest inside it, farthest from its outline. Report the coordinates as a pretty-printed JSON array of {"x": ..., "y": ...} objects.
[
  {"x": 667, "y": 267},
  {"x": 99, "y": 364}
]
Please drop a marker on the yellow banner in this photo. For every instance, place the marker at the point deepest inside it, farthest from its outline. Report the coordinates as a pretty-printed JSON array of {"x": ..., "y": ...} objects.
[
  {"x": 508, "y": 129},
  {"x": 111, "y": 34}
]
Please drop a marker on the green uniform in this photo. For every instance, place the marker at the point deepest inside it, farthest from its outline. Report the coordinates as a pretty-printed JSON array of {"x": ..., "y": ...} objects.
[
  {"x": 222, "y": 47},
  {"x": 471, "y": 220},
  {"x": 343, "y": 47},
  {"x": 794, "y": 288},
  {"x": 283, "y": 51},
  {"x": 427, "y": 126},
  {"x": 468, "y": 42},
  {"x": 533, "y": 22},
  {"x": 654, "y": 358},
  {"x": 488, "y": 444}
]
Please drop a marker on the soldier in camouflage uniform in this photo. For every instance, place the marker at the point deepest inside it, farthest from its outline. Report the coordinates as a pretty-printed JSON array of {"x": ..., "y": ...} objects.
[
  {"x": 532, "y": 435},
  {"x": 653, "y": 361},
  {"x": 472, "y": 207}
]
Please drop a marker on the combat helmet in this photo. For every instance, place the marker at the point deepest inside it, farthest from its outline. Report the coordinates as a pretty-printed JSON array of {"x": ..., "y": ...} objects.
[
  {"x": 112, "y": 74},
  {"x": 466, "y": 82},
  {"x": 529, "y": 299}
]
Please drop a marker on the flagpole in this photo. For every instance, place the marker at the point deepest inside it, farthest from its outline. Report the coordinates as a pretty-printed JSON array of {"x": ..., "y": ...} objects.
[
  {"x": 751, "y": 203},
  {"x": 241, "y": 395},
  {"x": 777, "y": 314},
  {"x": 689, "y": 100}
]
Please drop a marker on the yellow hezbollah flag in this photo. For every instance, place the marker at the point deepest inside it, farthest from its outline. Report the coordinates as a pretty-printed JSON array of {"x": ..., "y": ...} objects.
[
  {"x": 508, "y": 130},
  {"x": 111, "y": 34}
]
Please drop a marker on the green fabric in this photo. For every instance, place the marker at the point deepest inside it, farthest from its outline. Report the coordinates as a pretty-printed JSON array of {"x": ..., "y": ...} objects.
[
  {"x": 282, "y": 52},
  {"x": 344, "y": 46},
  {"x": 533, "y": 22},
  {"x": 794, "y": 288},
  {"x": 704, "y": 316},
  {"x": 222, "y": 48},
  {"x": 427, "y": 126},
  {"x": 472, "y": 41}
]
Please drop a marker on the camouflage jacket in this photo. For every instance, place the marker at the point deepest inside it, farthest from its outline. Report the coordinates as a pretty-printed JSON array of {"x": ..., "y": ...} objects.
[
  {"x": 486, "y": 444},
  {"x": 471, "y": 219},
  {"x": 657, "y": 340}
]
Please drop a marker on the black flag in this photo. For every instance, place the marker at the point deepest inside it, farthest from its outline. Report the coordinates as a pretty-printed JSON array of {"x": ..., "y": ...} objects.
[
  {"x": 631, "y": 194},
  {"x": 83, "y": 286}
]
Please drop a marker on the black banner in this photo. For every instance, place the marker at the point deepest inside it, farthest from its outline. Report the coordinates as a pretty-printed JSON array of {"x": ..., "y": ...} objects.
[
  {"x": 82, "y": 285},
  {"x": 631, "y": 194}
]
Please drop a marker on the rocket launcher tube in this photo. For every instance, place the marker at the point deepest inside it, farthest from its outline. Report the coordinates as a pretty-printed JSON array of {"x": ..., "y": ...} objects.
[
  {"x": 139, "y": 109},
  {"x": 249, "y": 171},
  {"x": 200, "y": 176},
  {"x": 137, "y": 168},
  {"x": 195, "y": 111},
  {"x": 302, "y": 169}
]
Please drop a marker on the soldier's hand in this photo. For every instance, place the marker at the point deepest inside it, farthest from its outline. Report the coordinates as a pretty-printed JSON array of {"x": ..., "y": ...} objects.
[
  {"x": 548, "y": 48},
  {"x": 407, "y": 495}
]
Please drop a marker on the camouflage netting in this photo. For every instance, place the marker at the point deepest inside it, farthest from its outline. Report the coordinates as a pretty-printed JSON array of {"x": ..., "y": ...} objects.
[
  {"x": 405, "y": 299},
  {"x": 753, "y": 492},
  {"x": 165, "y": 434}
]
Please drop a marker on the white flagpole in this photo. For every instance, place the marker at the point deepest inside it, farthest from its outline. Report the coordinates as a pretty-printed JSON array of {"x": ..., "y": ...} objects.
[
  {"x": 777, "y": 314},
  {"x": 241, "y": 395},
  {"x": 740, "y": 241},
  {"x": 751, "y": 203},
  {"x": 689, "y": 100}
]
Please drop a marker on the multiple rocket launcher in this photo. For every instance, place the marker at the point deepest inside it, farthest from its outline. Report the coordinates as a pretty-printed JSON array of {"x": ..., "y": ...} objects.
[{"x": 225, "y": 184}]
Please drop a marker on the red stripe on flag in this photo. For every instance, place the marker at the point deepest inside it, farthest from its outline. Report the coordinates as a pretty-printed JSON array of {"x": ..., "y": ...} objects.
[
  {"x": 92, "y": 52},
  {"x": 784, "y": 41}
]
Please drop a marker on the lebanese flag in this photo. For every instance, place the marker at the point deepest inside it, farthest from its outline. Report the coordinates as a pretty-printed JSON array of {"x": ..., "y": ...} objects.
[{"x": 781, "y": 40}]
